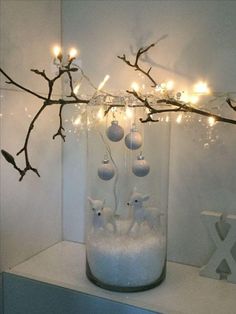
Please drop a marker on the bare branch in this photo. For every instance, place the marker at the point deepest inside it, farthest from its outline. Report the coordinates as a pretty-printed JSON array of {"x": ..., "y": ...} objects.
[
  {"x": 136, "y": 66},
  {"x": 229, "y": 102},
  {"x": 155, "y": 107},
  {"x": 42, "y": 73},
  {"x": 61, "y": 128},
  {"x": 11, "y": 81},
  {"x": 25, "y": 147}
]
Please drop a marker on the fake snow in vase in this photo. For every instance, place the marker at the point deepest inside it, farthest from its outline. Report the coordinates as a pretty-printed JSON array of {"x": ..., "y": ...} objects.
[
  {"x": 106, "y": 171},
  {"x": 140, "y": 167},
  {"x": 126, "y": 254},
  {"x": 115, "y": 132},
  {"x": 133, "y": 140}
]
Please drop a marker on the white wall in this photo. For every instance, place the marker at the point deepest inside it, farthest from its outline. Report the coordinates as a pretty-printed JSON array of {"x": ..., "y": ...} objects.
[
  {"x": 200, "y": 44},
  {"x": 30, "y": 213}
]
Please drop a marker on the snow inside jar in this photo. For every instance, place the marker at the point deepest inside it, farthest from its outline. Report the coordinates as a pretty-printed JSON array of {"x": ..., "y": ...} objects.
[{"x": 127, "y": 215}]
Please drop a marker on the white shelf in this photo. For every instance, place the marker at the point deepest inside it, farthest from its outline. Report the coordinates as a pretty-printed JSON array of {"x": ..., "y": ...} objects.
[{"x": 183, "y": 291}]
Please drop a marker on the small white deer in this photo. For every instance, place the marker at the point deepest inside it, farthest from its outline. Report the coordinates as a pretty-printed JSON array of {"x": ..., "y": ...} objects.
[
  {"x": 141, "y": 214},
  {"x": 102, "y": 215}
]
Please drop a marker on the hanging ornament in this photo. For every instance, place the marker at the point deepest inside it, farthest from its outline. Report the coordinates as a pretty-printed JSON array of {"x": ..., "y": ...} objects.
[
  {"x": 140, "y": 166},
  {"x": 106, "y": 171},
  {"x": 133, "y": 140},
  {"x": 115, "y": 132}
]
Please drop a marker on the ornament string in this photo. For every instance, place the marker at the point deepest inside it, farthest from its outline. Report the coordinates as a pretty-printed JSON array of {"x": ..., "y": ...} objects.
[{"x": 116, "y": 172}]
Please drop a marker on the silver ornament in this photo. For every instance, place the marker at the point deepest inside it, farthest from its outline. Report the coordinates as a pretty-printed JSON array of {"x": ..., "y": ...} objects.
[
  {"x": 133, "y": 140},
  {"x": 106, "y": 171},
  {"x": 115, "y": 132},
  {"x": 140, "y": 166}
]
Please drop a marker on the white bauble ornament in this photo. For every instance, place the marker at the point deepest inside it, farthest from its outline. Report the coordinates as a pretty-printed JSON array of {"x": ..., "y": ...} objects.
[
  {"x": 106, "y": 171},
  {"x": 115, "y": 132},
  {"x": 133, "y": 140},
  {"x": 140, "y": 166}
]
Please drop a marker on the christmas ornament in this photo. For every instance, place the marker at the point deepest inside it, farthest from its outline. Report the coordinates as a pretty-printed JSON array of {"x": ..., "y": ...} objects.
[
  {"x": 106, "y": 171},
  {"x": 133, "y": 140},
  {"x": 115, "y": 132},
  {"x": 140, "y": 166}
]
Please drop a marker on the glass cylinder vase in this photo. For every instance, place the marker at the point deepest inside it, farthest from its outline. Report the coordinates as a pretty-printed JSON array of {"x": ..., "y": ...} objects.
[{"x": 127, "y": 196}]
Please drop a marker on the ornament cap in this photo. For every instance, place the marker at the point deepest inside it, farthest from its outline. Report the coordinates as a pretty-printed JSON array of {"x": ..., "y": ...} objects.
[
  {"x": 114, "y": 122},
  {"x": 140, "y": 156},
  {"x": 105, "y": 159},
  {"x": 133, "y": 140},
  {"x": 134, "y": 128}
]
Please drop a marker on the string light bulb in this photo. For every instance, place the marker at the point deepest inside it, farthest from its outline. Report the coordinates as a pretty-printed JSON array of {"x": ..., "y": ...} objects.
[
  {"x": 76, "y": 89},
  {"x": 135, "y": 86},
  {"x": 56, "y": 51},
  {"x": 201, "y": 88},
  {"x": 169, "y": 85},
  {"x": 102, "y": 84},
  {"x": 77, "y": 121},
  {"x": 72, "y": 53}
]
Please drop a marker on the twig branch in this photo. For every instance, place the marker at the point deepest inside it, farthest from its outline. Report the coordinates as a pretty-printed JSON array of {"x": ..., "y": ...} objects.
[
  {"x": 25, "y": 147},
  {"x": 47, "y": 101},
  {"x": 136, "y": 66},
  {"x": 161, "y": 105},
  {"x": 61, "y": 129},
  {"x": 10, "y": 81},
  {"x": 180, "y": 106},
  {"x": 229, "y": 102}
]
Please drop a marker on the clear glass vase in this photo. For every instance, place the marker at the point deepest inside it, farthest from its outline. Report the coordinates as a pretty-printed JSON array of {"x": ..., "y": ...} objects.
[{"x": 127, "y": 190}]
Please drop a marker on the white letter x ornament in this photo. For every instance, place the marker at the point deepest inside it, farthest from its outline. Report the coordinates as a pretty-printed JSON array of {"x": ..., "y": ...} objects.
[{"x": 223, "y": 246}]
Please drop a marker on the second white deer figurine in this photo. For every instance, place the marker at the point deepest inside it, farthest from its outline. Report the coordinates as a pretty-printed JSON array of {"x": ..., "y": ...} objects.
[{"x": 141, "y": 214}]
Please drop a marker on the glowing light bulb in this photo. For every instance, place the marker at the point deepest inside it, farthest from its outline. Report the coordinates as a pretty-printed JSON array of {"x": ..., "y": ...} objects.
[
  {"x": 56, "y": 51},
  {"x": 201, "y": 88},
  {"x": 77, "y": 121},
  {"x": 100, "y": 114},
  {"x": 179, "y": 118},
  {"x": 135, "y": 86},
  {"x": 76, "y": 89},
  {"x": 129, "y": 113},
  {"x": 211, "y": 121},
  {"x": 102, "y": 84},
  {"x": 72, "y": 53},
  {"x": 169, "y": 85}
]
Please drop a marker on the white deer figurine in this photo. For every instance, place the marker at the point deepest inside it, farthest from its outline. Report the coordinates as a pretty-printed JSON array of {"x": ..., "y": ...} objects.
[
  {"x": 141, "y": 214},
  {"x": 102, "y": 216}
]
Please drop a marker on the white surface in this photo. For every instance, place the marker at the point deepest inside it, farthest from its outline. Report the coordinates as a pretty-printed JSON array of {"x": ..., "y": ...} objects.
[
  {"x": 30, "y": 213},
  {"x": 199, "y": 178},
  {"x": 183, "y": 291}
]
